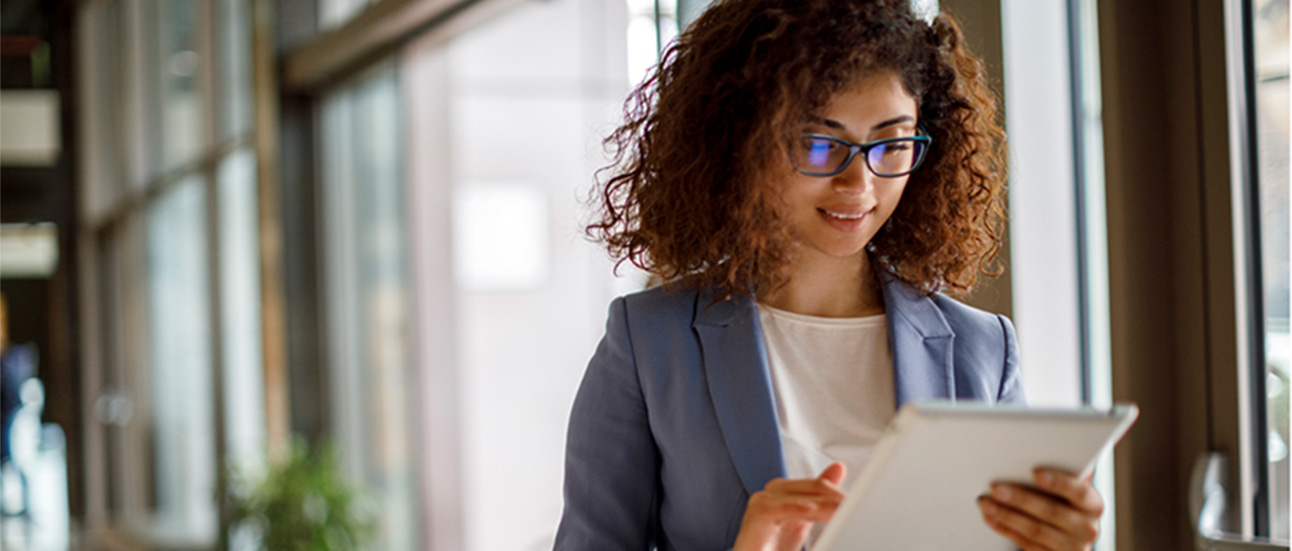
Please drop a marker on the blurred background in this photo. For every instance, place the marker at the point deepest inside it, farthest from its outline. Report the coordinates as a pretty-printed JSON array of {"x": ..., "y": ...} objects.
[{"x": 236, "y": 235}]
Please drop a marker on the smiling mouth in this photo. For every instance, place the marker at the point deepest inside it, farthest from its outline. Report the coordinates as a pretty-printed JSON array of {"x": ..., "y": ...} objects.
[{"x": 842, "y": 216}]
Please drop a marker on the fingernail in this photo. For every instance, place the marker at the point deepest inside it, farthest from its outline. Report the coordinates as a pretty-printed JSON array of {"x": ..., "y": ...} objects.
[
  {"x": 990, "y": 508},
  {"x": 1045, "y": 479},
  {"x": 1002, "y": 493}
]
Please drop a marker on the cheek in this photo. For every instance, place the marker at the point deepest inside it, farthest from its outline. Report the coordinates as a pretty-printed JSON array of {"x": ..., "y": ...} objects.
[
  {"x": 801, "y": 192},
  {"x": 891, "y": 195}
]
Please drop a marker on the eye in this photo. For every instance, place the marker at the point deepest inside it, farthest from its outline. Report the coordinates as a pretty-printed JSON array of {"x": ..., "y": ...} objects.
[
  {"x": 814, "y": 144},
  {"x": 895, "y": 148},
  {"x": 817, "y": 151}
]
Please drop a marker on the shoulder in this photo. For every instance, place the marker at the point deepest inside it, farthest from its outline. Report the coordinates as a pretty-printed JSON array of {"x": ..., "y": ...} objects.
[
  {"x": 651, "y": 314},
  {"x": 936, "y": 314},
  {"x": 677, "y": 306},
  {"x": 670, "y": 316},
  {"x": 660, "y": 300},
  {"x": 967, "y": 321}
]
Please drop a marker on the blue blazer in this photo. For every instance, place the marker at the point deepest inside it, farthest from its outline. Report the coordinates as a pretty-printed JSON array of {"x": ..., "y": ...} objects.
[{"x": 674, "y": 425}]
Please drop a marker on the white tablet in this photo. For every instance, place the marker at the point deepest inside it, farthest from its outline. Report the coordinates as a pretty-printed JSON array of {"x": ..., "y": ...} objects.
[{"x": 919, "y": 490}]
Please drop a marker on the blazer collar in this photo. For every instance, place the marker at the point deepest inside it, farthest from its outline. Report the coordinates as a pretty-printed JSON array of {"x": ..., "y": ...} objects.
[
  {"x": 740, "y": 384},
  {"x": 922, "y": 344}
]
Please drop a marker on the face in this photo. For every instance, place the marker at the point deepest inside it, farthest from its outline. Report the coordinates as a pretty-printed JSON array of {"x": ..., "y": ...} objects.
[{"x": 836, "y": 216}]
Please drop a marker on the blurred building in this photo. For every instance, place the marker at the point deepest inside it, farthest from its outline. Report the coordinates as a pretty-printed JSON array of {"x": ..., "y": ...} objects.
[{"x": 228, "y": 224}]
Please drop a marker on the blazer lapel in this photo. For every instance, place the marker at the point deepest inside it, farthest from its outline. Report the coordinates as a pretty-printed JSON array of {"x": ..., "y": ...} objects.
[
  {"x": 740, "y": 385},
  {"x": 922, "y": 345}
]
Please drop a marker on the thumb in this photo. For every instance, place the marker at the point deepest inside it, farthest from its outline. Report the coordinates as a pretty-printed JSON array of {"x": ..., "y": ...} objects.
[{"x": 834, "y": 473}]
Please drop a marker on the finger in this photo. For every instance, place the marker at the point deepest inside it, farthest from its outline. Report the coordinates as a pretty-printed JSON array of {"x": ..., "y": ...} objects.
[
  {"x": 1079, "y": 492},
  {"x": 991, "y": 512},
  {"x": 834, "y": 473},
  {"x": 1020, "y": 540},
  {"x": 781, "y": 508},
  {"x": 805, "y": 486},
  {"x": 1077, "y": 525},
  {"x": 1038, "y": 535}
]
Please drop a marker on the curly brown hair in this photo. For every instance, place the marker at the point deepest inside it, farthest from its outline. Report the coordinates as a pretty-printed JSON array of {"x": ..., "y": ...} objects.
[{"x": 689, "y": 199}]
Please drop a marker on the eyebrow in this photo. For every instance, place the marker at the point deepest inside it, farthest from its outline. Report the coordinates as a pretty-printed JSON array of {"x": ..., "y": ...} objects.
[{"x": 890, "y": 122}]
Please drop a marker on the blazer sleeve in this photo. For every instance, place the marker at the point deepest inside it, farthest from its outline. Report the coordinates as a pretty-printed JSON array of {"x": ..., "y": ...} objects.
[
  {"x": 1011, "y": 387},
  {"x": 611, "y": 461}
]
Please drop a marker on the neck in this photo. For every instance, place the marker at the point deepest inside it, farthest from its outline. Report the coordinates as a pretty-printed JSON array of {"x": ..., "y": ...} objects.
[{"x": 830, "y": 287}]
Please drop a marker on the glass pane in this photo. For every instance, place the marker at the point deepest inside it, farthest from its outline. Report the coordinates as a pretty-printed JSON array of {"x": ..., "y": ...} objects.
[
  {"x": 336, "y": 13},
  {"x": 1270, "y": 23},
  {"x": 100, "y": 71},
  {"x": 524, "y": 322},
  {"x": 178, "y": 67},
  {"x": 1098, "y": 315},
  {"x": 180, "y": 349},
  {"x": 127, "y": 378},
  {"x": 244, "y": 396},
  {"x": 112, "y": 408},
  {"x": 651, "y": 26},
  {"x": 235, "y": 67},
  {"x": 370, "y": 376}
]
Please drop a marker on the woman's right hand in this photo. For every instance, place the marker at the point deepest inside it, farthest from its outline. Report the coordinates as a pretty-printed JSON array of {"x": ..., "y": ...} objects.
[{"x": 780, "y": 517}]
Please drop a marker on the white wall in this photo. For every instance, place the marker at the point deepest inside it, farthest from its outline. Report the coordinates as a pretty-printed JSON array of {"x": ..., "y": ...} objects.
[{"x": 518, "y": 106}]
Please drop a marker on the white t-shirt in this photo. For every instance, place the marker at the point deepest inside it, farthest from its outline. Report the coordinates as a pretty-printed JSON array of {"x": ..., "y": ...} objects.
[{"x": 833, "y": 383}]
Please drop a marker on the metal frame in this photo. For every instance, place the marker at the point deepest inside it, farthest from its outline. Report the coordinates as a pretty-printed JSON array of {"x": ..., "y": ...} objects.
[
  {"x": 140, "y": 178},
  {"x": 1079, "y": 197},
  {"x": 1254, "y": 467},
  {"x": 377, "y": 33}
]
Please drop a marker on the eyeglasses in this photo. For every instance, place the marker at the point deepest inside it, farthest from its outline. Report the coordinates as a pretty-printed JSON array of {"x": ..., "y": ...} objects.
[{"x": 823, "y": 155}]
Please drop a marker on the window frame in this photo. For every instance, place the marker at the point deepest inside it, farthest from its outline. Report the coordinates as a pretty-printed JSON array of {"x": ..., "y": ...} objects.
[
  {"x": 127, "y": 186},
  {"x": 1178, "y": 152}
]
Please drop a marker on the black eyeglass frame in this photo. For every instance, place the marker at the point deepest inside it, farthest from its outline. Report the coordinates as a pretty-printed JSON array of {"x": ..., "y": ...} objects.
[{"x": 864, "y": 148}]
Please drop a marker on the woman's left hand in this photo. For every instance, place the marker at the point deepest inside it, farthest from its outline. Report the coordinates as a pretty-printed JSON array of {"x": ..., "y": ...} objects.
[{"x": 1061, "y": 513}]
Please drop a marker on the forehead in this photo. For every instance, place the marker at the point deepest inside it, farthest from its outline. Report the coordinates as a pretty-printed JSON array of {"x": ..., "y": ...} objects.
[{"x": 876, "y": 92}]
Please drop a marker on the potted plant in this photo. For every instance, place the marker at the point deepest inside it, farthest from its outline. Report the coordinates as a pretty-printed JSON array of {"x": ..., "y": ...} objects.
[{"x": 299, "y": 504}]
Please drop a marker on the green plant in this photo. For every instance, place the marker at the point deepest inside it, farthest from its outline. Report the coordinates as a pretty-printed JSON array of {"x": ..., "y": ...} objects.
[{"x": 300, "y": 504}]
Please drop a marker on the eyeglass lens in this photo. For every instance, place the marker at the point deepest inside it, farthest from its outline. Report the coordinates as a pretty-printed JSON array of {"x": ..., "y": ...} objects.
[{"x": 820, "y": 155}]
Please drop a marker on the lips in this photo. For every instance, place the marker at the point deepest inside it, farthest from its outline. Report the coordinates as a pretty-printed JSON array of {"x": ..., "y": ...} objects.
[
  {"x": 845, "y": 215},
  {"x": 846, "y": 220}
]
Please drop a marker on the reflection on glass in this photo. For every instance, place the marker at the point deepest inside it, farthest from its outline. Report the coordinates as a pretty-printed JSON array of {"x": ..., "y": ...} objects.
[
  {"x": 99, "y": 23},
  {"x": 370, "y": 374},
  {"x": 235, "y": 67},
  {"x": 336, "y": 13},
  {"x": 244, "y": 396},
  {"x": 1270, "y": 23},
  {"x": 179, "y": 66},
  {"x": 180, "y": 349}
]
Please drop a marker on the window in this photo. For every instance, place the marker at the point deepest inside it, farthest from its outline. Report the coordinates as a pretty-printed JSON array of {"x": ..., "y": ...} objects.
[
  {"x": 1270, "y": 111},
  {"x": 174, "y": 367},
  {"x": 520, "y": 339},
  {"x": 179, "y": 330},
  {"x": 652, "y": 24},
  {"x": 240, "y": 329},
  {"x": 176, "y": 77},
  {"x": 1058, "y": 245},
  {"x": 336, "y": 13},
  {"x": 370, "y": 374}
]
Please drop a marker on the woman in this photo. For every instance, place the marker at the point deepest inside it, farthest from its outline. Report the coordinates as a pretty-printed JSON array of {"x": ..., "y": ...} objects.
[{"x": 808, "y": 177}]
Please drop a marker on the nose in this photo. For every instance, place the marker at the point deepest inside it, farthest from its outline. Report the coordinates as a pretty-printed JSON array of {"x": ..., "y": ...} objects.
[{"x": 856, "y": 179}]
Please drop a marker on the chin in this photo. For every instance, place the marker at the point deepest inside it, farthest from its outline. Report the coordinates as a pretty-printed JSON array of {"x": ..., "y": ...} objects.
[{"x": 845, "y": 251}]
